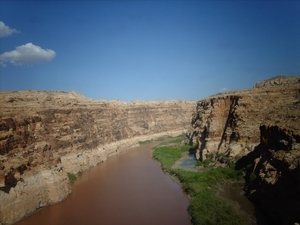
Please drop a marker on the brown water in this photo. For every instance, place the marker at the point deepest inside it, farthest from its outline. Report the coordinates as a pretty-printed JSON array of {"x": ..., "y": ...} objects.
[{"x": 129, "y": 188}]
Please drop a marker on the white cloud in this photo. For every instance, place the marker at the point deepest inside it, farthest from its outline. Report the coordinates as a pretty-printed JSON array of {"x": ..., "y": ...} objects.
[
  {"x": 6, "y": 31},
  {"x": 26, "y": 55},
  {"x": 223, "y": 89}
]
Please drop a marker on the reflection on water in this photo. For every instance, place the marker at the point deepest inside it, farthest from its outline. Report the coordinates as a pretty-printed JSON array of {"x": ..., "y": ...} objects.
[{"x": 187, "y": 162}]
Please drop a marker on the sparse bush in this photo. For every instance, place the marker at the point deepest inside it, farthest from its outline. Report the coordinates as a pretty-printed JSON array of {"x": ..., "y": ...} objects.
[
  {"x": 210, "y": 156},
  {"x": 79, "y": 173},
  {"x": 205, "y": 163},
  {"x": 252, "y": 176},
  {"x": 72, "y": 177},
  {"x": 199, "y": 163}
]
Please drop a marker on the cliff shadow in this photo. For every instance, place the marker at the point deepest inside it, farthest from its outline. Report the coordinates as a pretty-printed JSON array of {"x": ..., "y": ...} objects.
[
  {"x": 10, "y": 182},
  {"x": 276, "y": 201},
  {"x": 229, "y": 121}
]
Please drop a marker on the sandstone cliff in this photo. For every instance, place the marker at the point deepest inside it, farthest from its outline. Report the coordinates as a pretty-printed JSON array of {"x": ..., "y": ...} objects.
[
  {"x": 229, "y": 123},
  {"x": 260, "y": 128},
  {"x": 45, "y": 135}
]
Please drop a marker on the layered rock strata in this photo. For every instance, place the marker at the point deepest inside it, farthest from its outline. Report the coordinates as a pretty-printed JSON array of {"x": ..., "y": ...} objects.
[
  {"x": 260, "y": 128},
  {"x": 229, "y": 123},
  {"x": 45, "y": 135}
]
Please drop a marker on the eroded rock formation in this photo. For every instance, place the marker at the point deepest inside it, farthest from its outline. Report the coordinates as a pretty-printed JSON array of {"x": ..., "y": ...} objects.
[
  {"x": 273, "y": 174},
  {"x": 229, "y": 123},
  {"x": 45, "y": 135},
  {"x": 261, "y": 128}
]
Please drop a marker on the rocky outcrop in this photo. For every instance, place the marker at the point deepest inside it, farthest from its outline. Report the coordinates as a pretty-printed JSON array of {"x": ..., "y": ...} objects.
[
  {"x": 273, "y": 174},
  {"x": 45, "y": 135},
  {"x": 229, "y": 123},
  {"x": 259, "y": 128},
  {"x": 278, "y": 81}
]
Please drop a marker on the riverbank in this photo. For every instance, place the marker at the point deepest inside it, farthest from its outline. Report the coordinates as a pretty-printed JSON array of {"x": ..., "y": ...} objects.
[
  {"x": 44, "y": 185},
  {"x": 204, "y": 188},
  {"x": 129, "y": 188}
]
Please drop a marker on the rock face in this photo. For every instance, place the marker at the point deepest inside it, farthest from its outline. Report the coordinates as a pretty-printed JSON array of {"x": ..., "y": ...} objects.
[
  {"x": 278, "y": 81},
  {"x": 261, "y": 128},
  {"x": 273, "y": 175},
  {"x": 45, "y": 135},
  {"x": 229, "y": 123}
]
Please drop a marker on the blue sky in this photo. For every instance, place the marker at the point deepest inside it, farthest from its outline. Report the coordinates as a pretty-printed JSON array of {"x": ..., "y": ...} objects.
[{"x": 146, "y": 50}]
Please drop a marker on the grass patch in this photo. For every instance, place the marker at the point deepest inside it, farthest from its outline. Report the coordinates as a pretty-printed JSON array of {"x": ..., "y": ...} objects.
[
  {"x": 168, "y": 155},
  {"x": 205, "y": 163},
  {"x": 73, "y": 176},
  {"x": 145, "y": 142},
  {"x": 205, "y": 206}
]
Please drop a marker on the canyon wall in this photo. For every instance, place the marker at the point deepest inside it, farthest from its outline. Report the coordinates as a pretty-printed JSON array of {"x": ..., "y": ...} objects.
[
  {"x": 45, "y": 135},
  {"x": 229, "y": 123},
  {"x": 258, "y": 128},
  {"x": 273, "y": 174}
]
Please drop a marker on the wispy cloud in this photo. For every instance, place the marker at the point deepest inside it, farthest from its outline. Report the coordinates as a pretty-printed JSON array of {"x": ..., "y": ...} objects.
[
  {"x": 27, "y": 54},
  {"x": 6, "y": 30},
  {"x": 224, "y": 89}
]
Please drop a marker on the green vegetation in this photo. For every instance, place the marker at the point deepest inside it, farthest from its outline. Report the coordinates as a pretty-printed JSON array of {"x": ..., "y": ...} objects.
[
  {"x": 252, "y": 176},
  {"x": 222, "y": 158},
  {"x": 168, "y": 155},
  {"x": 177, "y": 139},
  {"x": 153, "y": 140},
  {"x": 205, "y": 163},
  {"x": 205, "y": 206},
  {"x": 163, "y": 138},
  {"x": 213, "y": 158},
  {"x": 72, "y": 176}
]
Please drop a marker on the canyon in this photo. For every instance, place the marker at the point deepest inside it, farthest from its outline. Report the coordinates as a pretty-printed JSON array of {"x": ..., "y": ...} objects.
[
  {"x": 45, "y": 135},
  {"x": 259, "y": 130}
]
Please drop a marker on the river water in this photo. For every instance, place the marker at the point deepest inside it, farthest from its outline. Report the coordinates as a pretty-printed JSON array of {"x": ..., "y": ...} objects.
[{"x": 129, "y": 188}]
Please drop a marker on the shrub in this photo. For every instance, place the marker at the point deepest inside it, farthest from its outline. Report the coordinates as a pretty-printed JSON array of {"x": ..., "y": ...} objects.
[
  {"x": 205, "y": 163},
  {"x": 252, "y": 176},
  {"x": 72, "y": 177},
  {"x": 199, "y": 163},
  {"x": 210, "y": 156}
]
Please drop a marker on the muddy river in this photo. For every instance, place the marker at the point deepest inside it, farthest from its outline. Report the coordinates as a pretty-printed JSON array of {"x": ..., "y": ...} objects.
[{"x": 129, "y": 188}]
